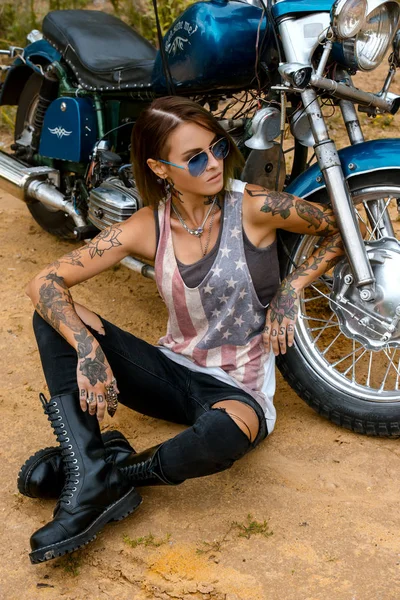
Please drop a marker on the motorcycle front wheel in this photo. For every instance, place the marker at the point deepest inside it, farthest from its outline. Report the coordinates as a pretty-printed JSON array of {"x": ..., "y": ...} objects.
[{"x": 338, "y": 376}]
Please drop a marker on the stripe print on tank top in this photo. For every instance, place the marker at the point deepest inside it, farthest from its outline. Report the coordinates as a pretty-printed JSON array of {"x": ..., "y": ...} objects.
[{"x": 218, "y": 323}]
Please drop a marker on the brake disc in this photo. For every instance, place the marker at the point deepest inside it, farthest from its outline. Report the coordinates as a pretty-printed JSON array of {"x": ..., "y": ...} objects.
[{"x": 376, "y": 323}]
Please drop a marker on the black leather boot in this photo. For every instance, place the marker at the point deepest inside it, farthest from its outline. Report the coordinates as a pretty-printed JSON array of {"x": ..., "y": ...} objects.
[
  {"x": 209, "y": 446},
  {"x": 95, "y": 492},
  {"x": 42, "y": 475},
  {"x": 144, "y": 468}
]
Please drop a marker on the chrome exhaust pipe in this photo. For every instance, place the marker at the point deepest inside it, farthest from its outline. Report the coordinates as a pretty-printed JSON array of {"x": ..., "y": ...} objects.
[
  {"x": 26, "y": 182},
  {"x": 37, "y": 183}
]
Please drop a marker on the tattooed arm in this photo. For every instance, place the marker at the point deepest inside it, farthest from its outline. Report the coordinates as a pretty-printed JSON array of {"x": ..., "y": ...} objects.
[
  {"x": 270, "y": 210},
  {"x": 282, "y": 312},
  {"x": 267, "y": 211},
  {"x": 49, "y": 292}
]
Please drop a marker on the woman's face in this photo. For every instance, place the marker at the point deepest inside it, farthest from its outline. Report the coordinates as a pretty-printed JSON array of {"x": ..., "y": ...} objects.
[{"x": 184, "y": 142}]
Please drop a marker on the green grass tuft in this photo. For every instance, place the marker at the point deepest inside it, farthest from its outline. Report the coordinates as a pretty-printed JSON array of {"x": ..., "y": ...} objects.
[{"x": 146, "y": 540}]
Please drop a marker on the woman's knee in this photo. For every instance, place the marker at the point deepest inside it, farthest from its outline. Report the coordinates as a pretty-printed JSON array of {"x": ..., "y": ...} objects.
[
  {"x": 88, "y": 317},
  {"x": 243, "y": 415}
]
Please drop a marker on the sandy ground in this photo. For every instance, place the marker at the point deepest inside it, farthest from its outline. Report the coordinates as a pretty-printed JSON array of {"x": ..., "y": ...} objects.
[
  {"x": 329, "y": 497},
  {"x": 324, "y": 503}
]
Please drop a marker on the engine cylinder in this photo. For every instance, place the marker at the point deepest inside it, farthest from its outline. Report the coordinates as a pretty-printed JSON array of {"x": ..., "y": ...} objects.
[{"x": 112, "y": 203}]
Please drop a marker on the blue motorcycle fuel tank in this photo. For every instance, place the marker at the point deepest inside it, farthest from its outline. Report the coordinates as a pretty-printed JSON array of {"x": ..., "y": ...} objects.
[{"x": 212, "y": 45}]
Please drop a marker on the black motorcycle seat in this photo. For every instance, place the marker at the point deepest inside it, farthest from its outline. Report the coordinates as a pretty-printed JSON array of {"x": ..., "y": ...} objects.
[{"x": 103, "y": 52}]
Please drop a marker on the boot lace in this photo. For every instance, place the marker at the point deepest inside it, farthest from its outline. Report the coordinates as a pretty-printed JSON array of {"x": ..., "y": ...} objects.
[
  {"x": 71, "y": 465},
  {"x": 139, "y": 471}
]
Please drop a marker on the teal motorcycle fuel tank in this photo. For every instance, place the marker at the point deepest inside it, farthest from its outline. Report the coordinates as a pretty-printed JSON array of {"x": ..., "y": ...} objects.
[{"x": 212, "y": 46}]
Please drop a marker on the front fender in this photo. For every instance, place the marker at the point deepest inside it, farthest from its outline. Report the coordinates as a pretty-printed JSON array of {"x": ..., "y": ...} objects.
[
  {"x": 38, "y": 53},
  {"x": 360, "y": 159}
]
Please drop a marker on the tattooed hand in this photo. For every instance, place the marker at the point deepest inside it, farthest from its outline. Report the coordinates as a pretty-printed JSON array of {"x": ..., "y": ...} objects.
[
  {"x": 93, "y": 373},
  {"x": 281, "y": 319}
]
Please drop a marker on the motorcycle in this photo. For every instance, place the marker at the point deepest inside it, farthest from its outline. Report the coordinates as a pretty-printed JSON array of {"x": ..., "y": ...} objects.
[{"x": 80, "y": 85}]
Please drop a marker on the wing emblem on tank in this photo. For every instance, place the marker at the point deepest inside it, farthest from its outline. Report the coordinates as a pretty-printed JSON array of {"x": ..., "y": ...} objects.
[
  {"x": 176, "y": 45},
  {"x": 60, "y": 132}
]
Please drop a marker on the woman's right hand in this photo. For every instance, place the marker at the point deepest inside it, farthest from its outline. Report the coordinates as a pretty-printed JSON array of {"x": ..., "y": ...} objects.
[{"x": 93, "y": 374}]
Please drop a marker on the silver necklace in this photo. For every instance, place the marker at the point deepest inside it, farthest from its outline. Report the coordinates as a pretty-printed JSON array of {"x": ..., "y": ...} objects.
[
  {"x": 198, "y": 231},
  {"x": 208, "y": 237}
]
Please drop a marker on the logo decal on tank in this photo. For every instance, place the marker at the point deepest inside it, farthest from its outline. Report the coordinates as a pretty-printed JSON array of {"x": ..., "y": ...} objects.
[
  {"x": 173, "y": 46},
  {"x": 59, "y": 132},
  {"x": 176, "y": 45}
]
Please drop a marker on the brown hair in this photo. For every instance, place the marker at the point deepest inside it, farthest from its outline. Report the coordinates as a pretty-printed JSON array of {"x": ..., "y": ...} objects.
[{"x": 150, "y": 135}]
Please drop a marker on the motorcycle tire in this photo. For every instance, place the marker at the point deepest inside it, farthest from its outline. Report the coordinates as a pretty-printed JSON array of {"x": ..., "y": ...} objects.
[
  {"x": 54, "y": 221},
  {"x": 365, "y": 397}
]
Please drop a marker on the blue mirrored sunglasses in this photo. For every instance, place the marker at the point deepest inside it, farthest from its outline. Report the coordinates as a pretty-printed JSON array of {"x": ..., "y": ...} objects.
[{"x": 198, "y": 163}]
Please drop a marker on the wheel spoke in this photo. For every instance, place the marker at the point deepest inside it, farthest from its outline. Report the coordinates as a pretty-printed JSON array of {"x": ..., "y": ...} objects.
[
  {"x": 369, "y": 368},
  {"x": 326, "y": 326},
  {"x": 388, "y": 369},
  {"x": 352, "y": 366},
  {"x": 377, "y": 222},
  {"x": 311, "y": 299},
  {"x": 369, "y": 230},
  {"x": 397, "y": 376},
  {"x": 322, "y": 329},
  {"x": 391, "y": 364},
  {"x": 307, "y": 318},
  {"x": 331, "y": 344},
  {"x": 365, "y": 222},
  {"x": 347, "y": 356}
]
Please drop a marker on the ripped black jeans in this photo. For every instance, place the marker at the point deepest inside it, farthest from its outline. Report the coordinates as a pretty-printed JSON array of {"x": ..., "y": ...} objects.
[{"x": 152, "y": 384}]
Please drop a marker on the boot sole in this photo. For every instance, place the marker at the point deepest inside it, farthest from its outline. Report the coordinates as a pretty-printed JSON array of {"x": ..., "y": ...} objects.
[
  {"x": 30, "y": 465},
  {"x": 115, "y": 512}
]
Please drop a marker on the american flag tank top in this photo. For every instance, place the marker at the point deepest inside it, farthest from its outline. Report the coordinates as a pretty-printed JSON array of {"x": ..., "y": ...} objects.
[{"x": 219, "y": 323}]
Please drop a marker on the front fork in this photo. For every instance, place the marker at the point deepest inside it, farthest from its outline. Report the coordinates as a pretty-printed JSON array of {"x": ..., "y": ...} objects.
[{"x": 339, "y": 194}]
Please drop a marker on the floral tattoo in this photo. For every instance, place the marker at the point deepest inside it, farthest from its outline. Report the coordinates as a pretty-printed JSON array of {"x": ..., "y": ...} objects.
[
  {"x": 56, "y": 305},
  {"x": 72, "y": 258},
  {"x": 85, "y": 343},
  {"x": 108, "y": 238},
  {"x": 283, "y": 305},
  {"x": 282, "y": 204},
  {"x": 94, "y": 368}
]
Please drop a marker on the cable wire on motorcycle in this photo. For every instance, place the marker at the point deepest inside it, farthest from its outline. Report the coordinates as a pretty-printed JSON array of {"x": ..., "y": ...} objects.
[{"x": 167, "y": 73}]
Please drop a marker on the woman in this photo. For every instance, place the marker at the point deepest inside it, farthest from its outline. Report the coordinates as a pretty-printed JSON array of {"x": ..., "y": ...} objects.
[{"x": 213, "y": 240}]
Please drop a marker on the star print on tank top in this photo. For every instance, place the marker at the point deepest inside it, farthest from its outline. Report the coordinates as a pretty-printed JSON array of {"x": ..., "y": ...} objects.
[{"x": 219, "y": 323}]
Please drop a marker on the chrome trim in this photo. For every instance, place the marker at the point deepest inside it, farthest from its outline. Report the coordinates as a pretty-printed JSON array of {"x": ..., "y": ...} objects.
[
  {"x": 25, "y": 182},
  {"x": 348, "y": 92},
  {"x": 301, "y": 37},
  {"x": 314, "y": 351},
  {"x": 339, "y": 194}
]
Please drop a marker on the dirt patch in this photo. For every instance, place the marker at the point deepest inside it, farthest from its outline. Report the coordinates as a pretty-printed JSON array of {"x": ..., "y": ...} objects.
[{"x": 323, "y": 502}]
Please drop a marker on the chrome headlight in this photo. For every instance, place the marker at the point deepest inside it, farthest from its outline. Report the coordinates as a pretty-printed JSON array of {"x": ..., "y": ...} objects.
[
  {"x": 347, "y": 17},
  {"x": 367, "y": 50}
]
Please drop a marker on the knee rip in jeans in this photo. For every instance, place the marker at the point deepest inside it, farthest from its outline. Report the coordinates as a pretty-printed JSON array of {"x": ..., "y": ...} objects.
[
  {"x": 250, "y": 430},
  {"x": 89, "y": 318}
]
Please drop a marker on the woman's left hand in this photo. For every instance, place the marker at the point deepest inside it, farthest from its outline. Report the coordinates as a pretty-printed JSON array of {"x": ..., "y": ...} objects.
[{"x": 281, "y": 319}]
